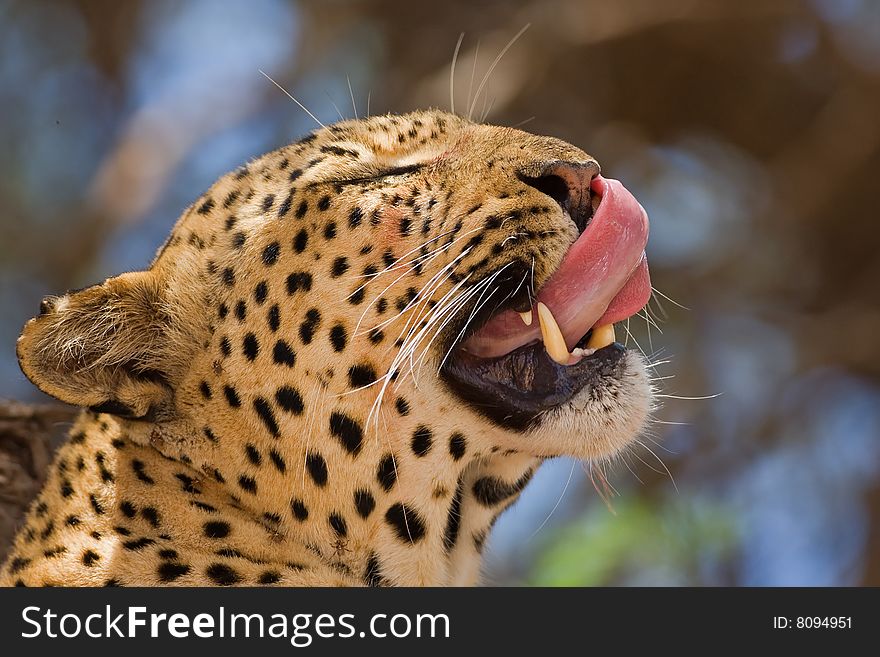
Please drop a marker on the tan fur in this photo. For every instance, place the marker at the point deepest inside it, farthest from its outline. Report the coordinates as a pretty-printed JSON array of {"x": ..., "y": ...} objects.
[{"x": 199, "y": 468}]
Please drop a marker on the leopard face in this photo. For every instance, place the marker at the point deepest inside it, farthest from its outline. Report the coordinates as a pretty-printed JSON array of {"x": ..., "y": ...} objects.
[{"x": 372, "y": 336}]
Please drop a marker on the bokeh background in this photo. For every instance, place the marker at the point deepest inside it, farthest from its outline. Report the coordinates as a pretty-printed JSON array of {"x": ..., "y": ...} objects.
[{"x": 749, "y": 130}]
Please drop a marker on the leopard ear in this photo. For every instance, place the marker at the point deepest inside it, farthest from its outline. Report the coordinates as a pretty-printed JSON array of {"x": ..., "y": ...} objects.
[{"x": 102, "y": 347}]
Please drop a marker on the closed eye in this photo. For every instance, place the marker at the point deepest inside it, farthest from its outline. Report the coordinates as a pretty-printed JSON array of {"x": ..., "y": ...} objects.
[{"x": 378, "y": 175}]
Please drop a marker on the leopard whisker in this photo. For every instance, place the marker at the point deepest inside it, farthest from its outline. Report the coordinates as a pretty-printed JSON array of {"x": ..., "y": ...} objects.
[
  {"x": 452, "y": 74},
  {"x": 492, "y": 66},
  {"x": 288, "y": 94},
  {"x": 351, "y": 93}
]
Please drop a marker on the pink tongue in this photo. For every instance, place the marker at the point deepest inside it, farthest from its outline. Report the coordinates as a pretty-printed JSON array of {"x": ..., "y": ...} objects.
[{"x": 602, "y": 279}]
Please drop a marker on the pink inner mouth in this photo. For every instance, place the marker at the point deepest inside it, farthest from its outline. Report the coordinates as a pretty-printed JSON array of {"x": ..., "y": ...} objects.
[{"x": 602, "y": 279}]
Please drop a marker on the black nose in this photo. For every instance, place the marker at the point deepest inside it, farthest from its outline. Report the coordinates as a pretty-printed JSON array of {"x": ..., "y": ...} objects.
[{"x": 567, "y": 183}]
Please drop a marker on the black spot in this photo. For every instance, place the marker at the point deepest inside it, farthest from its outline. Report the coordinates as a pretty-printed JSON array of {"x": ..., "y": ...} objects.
[
  {"x": 283, "y": 354},
  {"x": 302, "y": 209},
  {"x": 72, "y": 521},
  {"x": 453, "y": 518},
  {"x": 381, "y": 305},
  {"x": 267, "y": 415},
  {"x": 122, "y": 531},
  {"x": 268, "y": 200},
  {"x": 338, "y": 524},
  {"x": 18, "y": 564},
  {"x": 209, "y": 434},
  {"x": 490, "y": 491},
  {"x": 248, "y": 484},
  {"x": 231, "y": 396},
  {"x": 222, "y": 311},
  {"x": 228, "y": 277},
  {"x": 457, "y": 445},
  {"x": 187, "y": 483},
  {"x": 269, "y": 577},
  {"x": 139, "y": 472},
  {"x": 364, "y": 503},
  {"x": 309, "y": 325},
  {"x": 330, "y": 230},
  {"x": 296, "y": 173},
  {"x": 222, "y": 574},
  {"x": 373, "y": 572},
  {"x": 339, "y": 267},
  {"x": 277, "y": 461},
  {"x": 250, "y": 346},
  {"x": 260, "y": 292},
  {"x": 317, "y": 467},
  {"x": 402, "y": 406},
  {"x": 274, "y": 317},
  {"x": 406, "y": 523},
  {"x": 207, "y": 508},
  {"x": 206, "y": 207},
  {"x": 66, "y": 489},
  {"x": 300, "y": 512},
  {"x": 299, "y": 281},
  {"x": 361, "y": 375},
  {"x": 300, "y": 241},
  {"x": 355, "y": 217},
  {"x": 90, "y": 558},
  {"x": 356, "y": 297},
  {"x": 422, "y": 440},
  {"x": 284, "y": 208},
  {"x": 50, "y": 527},
  {"x": 271, "y": 253},
  {"x": 386, "y": 472},
  {"x": 171, "y": 570},
  {"x": 54, "y": 552},
  {"x": 375, "y": 335},
  {"x": 231, "y": 198},
  {"x": 216, "y": 529},
  {"x": 205, "y": 389},
  {"x": 289, "y": 399},
  {"x": 137, "y": 543},
  {"x": 225, "y": 346},
  {"x": 151, "y": 515},
  {"x": 405, "y": 226},
  {"x": 324, "y": 203},
  {"x": 348, "y": 431},
  {"x": 253, "y": 454},
  {"x": 168, "y": 554},
  {"x": 238, "y": 240},
  {"x": 338, "y": 337}
]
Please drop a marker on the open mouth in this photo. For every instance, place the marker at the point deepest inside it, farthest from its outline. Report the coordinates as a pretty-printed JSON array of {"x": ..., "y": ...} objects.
[{"x": 519, "y": 364}]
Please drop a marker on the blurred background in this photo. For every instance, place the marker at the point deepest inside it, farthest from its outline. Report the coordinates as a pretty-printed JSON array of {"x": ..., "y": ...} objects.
[{"x": 750, "y": 131}]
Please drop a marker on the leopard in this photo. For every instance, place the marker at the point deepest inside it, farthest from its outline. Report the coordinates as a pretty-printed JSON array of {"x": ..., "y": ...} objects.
[{"x": 346, "y": 361}]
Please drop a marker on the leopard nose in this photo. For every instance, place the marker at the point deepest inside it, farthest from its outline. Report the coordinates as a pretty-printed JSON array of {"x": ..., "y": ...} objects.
[{"x": 567, "y": 183}]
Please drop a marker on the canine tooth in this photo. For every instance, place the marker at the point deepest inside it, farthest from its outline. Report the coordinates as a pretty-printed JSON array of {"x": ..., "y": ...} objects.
[
  {"x": 526, "y": 317},
  {"x": 602, "y": 337},
  {"x": 554, "y": 343}
]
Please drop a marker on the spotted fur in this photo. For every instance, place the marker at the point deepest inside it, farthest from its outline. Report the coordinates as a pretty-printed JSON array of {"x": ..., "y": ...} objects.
[{"x": 235, "y": 433}]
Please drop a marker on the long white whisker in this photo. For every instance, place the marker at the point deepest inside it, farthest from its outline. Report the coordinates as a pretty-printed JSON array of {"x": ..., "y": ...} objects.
[
  {"x": 351, "y": 93},
  {"x": 452, "y": 74},
  {"x": 492, "y": 68},
  {"x": 558, "y": 502},
  {"x": 287, "y": 93}
]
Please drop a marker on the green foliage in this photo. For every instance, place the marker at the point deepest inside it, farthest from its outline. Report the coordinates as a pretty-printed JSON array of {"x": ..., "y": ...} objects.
[{"x": 643, "y": 542}]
